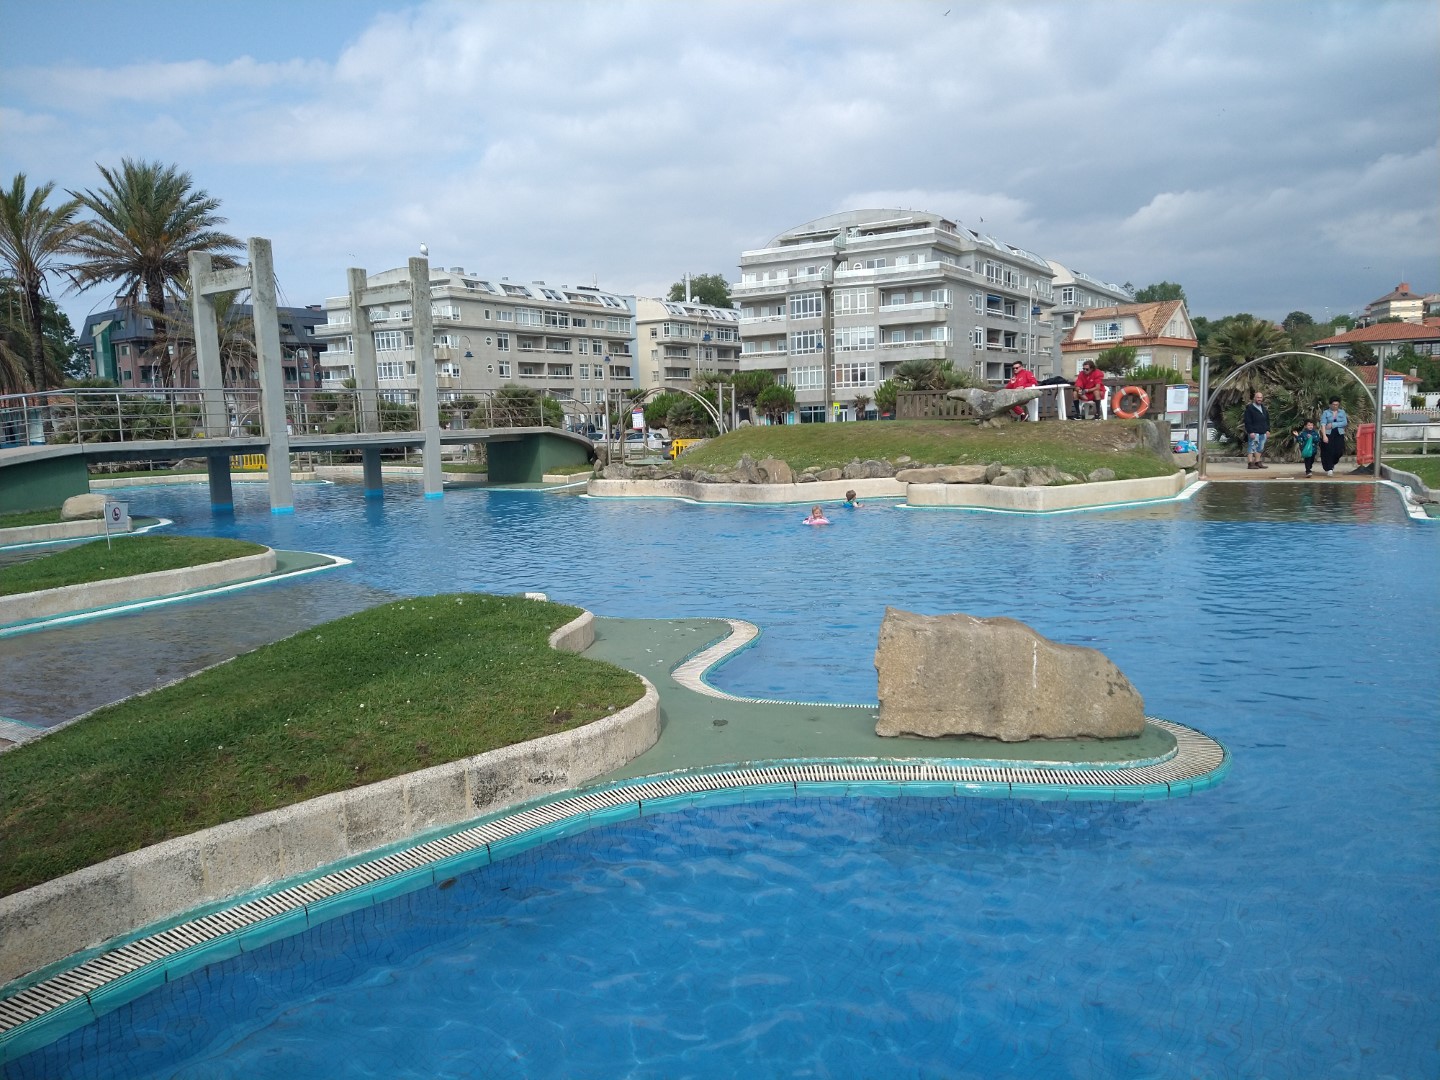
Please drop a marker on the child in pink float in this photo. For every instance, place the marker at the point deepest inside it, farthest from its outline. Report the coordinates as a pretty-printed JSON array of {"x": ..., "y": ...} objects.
[{"x": 817, "y": 517}]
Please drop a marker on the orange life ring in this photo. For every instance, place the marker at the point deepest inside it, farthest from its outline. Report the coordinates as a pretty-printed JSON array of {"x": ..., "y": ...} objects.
[{"x": 1130, "y": 391}]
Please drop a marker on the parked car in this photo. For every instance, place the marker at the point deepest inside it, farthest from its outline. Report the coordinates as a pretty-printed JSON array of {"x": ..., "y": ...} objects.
[{"x": 640, "y": 440}]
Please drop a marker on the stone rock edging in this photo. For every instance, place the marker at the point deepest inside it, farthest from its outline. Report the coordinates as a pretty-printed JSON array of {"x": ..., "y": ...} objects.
[
  {"x": 819, "y": 491},
  {"x": 24, "y": 607},
  {"x": 56, "y": 530},
  {"x": 58, "y": 918},
  {"x": 1049, "y": 499}
]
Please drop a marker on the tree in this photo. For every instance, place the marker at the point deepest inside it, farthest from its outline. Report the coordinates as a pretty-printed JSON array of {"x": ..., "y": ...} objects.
[
  {"x": 1240, "y": 339},
  {"x": 1116, "y": 360},
  {"x": 775, "y": 401},
  {"x": 710, "y": 289},
  {"x": 1426, "y": 367},
  {"x": 33, "y": 239},
  {"x": 148, "y": 217},
  {"x": 862, "y": 405},
  {"x": 885, "y": 397},
  {"x": 1362, "y": 354},
  {"x": 1295, "y": 320},
  {"x": 62, "y": 358},
  {"x": 234, "y": 330},
  {"x": 1161, "y": 290}
]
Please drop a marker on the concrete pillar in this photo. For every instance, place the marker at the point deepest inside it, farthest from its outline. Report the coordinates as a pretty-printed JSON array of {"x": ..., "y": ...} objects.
[
  {"x": 272, "y": 375},
  {"x": 222, "y": 499},
  {"x": 207, "y": 353},
  {"x": 367, "y": 380},
  {"x": 373, "y": 481},
  {"x": 423, "y": 329}
]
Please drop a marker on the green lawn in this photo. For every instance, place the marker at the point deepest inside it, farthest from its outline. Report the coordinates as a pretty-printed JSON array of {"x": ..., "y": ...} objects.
[
  {"x": 391, "y": 690},
  {"x": 30, "y": 517},
  {"x": 127, "y": 555},
  {"x": 1427, "y": 468},
  {"x": 1074, "y": 447}
]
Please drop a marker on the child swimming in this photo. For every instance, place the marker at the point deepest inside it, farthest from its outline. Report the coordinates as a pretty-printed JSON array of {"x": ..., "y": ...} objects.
[
  {"x": 851, "y": 503},
  {"x": 817, "y": 517}
]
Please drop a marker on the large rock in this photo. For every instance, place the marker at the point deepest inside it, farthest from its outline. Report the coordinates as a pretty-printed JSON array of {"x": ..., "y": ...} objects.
[
  {"x": 745, "y": 471},
  {"x": 829, "y": 474},
  {"x": 943, "y": 474},
  {"x": 987, "y": 403},
  {"x": 961, "y": 675},
  {"x": 1009, "y": 479},
  {"x": 867, "y": 470},
  {"x": 1098, "y": 475},
  {"x": 774, "y": 471},
  {"x": 79, "y": 507}
]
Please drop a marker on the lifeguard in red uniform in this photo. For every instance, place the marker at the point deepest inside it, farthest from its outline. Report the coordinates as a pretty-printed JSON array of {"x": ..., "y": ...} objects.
[
  {"x": 1089, "y": 386},
  {"x": 1022, "y": 378}
]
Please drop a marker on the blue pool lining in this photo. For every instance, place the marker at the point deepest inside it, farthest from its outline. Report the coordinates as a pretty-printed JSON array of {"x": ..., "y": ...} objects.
[
  {"x": 160, "y": 523},
  {"x": 36, "y": 1013},
  {"x": 197, "y": 594}
]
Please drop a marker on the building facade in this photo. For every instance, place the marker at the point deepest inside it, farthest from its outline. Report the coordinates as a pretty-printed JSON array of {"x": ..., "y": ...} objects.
[
  {"x": 866, "y": 290},
  {"x": 1399, "y": 303},
  {"x": 1076, "y": 293},
  {"x": 1160, "y": 333},
  {"x": 572, "y": 343},
  {"x": 119, "y": 346},
  {"x": 1386, "y": 339},
  {"x": 681, "y": 340}
]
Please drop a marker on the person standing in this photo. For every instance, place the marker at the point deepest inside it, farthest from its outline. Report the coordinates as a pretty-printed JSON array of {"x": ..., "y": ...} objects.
[
  {"x": 1333, "y": 422},
  {"x": 1307, "y": 439},
  {"x": 1257, "y": 427}
]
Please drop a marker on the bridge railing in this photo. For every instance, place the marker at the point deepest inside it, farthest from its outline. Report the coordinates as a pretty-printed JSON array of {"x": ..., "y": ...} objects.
[
  {"x": 342, "y": 412},
  {"x": 98, "y": 416}
]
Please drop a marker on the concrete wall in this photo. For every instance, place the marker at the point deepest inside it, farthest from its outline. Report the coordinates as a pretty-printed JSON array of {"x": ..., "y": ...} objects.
[
  {"x": 1042, "y": 499},
  {"x": 52, "y": 921},
  {"x": 822, "y": 491},
  {"x": 524, "y": 460},
  {"x": 58, "y": 530},
  {"x": 42, "y": 484},
  {"x": 23, "y": 607}
]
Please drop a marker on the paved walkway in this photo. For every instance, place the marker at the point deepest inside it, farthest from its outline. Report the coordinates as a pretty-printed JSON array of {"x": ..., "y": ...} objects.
[
  {"x": 1283, "y": 470},
  {"x": 698, "y": 730}
]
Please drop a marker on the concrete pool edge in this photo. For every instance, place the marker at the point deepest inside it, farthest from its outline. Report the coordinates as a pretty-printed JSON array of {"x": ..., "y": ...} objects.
[
  {"x": 41, "y": 1012},
  {"x": 1096, "y": 495}
]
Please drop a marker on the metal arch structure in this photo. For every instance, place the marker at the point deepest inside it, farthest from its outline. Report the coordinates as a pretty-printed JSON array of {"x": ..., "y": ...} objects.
[
  {"x": 1207, "y": 396},
  {"x": 710, "y": 409}
]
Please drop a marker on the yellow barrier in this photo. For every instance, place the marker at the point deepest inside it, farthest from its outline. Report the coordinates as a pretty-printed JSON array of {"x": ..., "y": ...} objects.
[{"x": 247, "y": 463}]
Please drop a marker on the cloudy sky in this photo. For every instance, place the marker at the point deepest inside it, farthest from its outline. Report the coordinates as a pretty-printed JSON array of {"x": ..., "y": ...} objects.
[{"x": 1266, "y": 155}]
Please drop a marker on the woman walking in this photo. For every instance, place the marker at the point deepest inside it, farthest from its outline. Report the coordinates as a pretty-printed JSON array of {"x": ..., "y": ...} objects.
[{"x": 1333, "y": 422}]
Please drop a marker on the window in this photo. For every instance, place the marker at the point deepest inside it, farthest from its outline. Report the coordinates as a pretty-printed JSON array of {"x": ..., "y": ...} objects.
[
  {"x": 596, "y": 346},
  {"x": 527, "y": 317},
  {"x": 1067, "y": 294},
  {"x": 557, "y": 318},
  {"x": 808, "y": 378},
  {"x": 504, "y": 367},
  {"x": 584, "y": 344},
  {"x": 977, "y": 338},
  {"x": 855, "y": 374},
  {"x": 584, "y": 368},
  {"x": 854, "y": 338},
  {"x": 390, "y": 369},
  {"x": 502, "y": 342},
  {"x": 1106, "y": 332},
  {"x": 584, "y": 394},
  {"x": 506, "y": 315},
  {"x": 854, "y": 301},
  {"x": 811, "y": 414},
  {"x": 389, "y": 340},
  {"x": 551, "y": 294},
  {"x": 807, "y": 341},
  {"x": 874, "y": 264},
  {"x": 806, "y": 306},
  {"x": 940, "y": 296}
]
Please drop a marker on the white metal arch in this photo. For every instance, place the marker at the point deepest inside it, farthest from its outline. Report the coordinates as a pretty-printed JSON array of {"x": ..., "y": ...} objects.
[{"x": 1207, "y": 396}]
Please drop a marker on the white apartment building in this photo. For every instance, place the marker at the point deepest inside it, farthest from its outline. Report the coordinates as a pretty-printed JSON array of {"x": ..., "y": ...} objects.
[
  {"x": 888, "y": 286},
  {"x": 576, "y": 344},
  {"x": 1076, "y": 293},
  {"x": 680, "y": 340}
]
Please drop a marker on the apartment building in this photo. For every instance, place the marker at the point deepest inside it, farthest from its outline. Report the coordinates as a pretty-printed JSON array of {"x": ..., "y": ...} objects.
[
  {"x": 680, "y": 340},
  {"x": 866, "y": 290},
  {"x": 573, "y": 343},
  {"x": 1398, "y": 303},
  {"x": 119, "y": 346},
  {"x": 1076, "y": 293}
]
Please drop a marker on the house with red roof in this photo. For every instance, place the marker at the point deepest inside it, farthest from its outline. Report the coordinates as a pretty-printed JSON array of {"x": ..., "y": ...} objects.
[
  {"x": 1386, "y": 339},
  {"x": 1161, "y": 333},
  {"x": 1399, "y": 303}
]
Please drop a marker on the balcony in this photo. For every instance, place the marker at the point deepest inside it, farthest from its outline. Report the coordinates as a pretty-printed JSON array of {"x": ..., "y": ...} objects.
[
  {"x": 756, "y": 320},
  {"x": 926, "y": 312},
  {"x": 922, "y": 269},
  {"x": 900, "y": 351}
]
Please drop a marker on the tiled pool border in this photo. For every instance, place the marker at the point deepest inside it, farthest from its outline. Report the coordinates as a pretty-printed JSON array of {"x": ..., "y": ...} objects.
[{"x": 38, "y": 1014}]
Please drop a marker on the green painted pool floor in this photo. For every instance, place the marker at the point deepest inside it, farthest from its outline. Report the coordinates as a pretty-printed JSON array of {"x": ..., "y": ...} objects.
[{"x": 698, "y": 731}]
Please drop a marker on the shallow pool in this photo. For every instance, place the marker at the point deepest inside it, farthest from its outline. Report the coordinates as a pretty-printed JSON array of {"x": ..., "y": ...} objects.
[{"x": 1279, "y": 925}]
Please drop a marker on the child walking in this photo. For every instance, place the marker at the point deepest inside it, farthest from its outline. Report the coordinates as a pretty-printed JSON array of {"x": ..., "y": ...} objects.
[{"x": 1308, "y": 440}]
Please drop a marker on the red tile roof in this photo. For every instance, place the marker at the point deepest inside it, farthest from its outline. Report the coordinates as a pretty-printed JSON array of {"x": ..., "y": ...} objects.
[
  {"x": 1400, "y": 292},
  {"x": 1429, "y": 330},
  {"x": 1152, "y": 317}
]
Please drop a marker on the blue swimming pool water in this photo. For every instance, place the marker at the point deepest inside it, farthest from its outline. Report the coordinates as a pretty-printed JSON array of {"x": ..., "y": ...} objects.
[{"x": 1280, "y": 925}]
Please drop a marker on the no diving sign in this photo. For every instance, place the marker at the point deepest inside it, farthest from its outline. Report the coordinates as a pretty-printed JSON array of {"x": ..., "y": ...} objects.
[{"x": 117, "y": 514}]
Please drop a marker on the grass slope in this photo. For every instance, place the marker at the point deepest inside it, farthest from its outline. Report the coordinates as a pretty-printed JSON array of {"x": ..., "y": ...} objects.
[
  {"x": 388, "y": 691},
  {"x": 94, "y": 561},
  {"x": 1427, "y": 469},
  {"x": 1074, "y": 447},
  {"x": 21, "y": 518}
]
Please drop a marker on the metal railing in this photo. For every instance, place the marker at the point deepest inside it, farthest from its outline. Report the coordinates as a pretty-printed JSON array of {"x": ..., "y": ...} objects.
[{"x": 61, "y": 417}]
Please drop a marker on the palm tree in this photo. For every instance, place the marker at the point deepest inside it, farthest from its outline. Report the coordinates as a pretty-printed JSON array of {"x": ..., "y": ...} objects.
[
  {"x": 148, "y": 217},
  {"x": 234, "y": 328},
  {"x": 33, "y": 238},
  {"x": 16, "y": 342}
]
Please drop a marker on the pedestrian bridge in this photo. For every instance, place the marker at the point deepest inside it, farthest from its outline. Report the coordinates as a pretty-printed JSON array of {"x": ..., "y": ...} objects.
[{"x": 48, "y": 439}]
